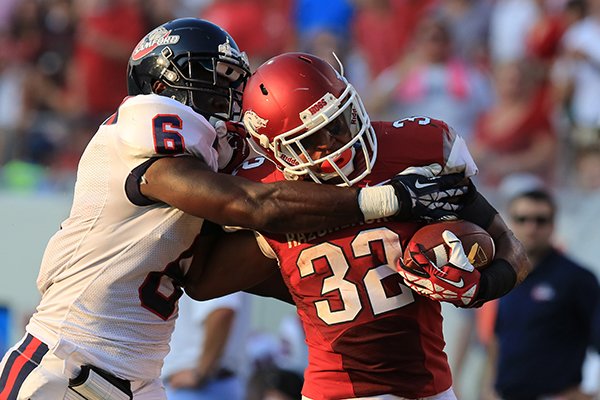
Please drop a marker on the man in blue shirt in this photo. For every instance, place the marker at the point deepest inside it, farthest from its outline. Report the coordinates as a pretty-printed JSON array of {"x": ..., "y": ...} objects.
[{"x": 543, "y": 327}]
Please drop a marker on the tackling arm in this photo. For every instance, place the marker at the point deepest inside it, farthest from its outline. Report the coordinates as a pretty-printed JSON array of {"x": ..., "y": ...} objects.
[
  {"x": 291, "y": 206},
  {"x": 225, "y": 263},
  {"x": 188, "y": 184}
]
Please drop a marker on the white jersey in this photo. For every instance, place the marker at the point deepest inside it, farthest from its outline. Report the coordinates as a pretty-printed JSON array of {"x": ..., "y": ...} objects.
[{"x": 108, "y": 276}]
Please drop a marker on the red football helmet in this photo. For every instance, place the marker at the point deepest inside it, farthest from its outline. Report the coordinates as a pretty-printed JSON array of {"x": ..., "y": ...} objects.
[{"x": 303, "y": 115}]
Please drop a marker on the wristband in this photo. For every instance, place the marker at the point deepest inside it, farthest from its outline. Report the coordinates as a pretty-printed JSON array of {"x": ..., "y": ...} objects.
[
  {"x": 378, "y": 202},
  {"x": 496, "y": 280},
  {"x": 479, "y": 211}
]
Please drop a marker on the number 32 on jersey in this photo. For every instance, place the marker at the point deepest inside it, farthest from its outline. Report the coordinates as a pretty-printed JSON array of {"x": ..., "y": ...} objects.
[{"x": 372, "y": 280}]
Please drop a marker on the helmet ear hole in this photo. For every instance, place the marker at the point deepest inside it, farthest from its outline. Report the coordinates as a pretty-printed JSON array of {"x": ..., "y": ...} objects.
[{"x": 263, "y": 89}]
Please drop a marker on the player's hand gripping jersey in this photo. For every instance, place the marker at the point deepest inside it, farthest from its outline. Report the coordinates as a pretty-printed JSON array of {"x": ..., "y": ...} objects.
[
  {"x": 110, "y": 274},
  {"x": 368, "y": 334}
]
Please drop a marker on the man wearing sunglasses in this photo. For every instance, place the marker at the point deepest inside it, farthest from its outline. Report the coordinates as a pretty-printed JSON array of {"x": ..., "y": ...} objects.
[{"x": 543, "y": 326}]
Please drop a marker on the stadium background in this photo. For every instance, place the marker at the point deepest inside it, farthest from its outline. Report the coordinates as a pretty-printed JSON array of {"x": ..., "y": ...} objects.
[{"x": 517, "y": 78}]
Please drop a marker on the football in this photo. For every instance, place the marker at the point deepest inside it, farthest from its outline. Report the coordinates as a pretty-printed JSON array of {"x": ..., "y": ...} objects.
[{"x": 478, "y": 244}]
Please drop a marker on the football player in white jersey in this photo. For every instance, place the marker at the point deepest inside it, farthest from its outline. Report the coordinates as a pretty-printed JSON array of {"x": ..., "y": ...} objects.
[{"x": 111, "y": 276}]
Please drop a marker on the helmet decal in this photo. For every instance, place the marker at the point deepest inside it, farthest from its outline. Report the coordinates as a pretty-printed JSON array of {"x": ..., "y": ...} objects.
[
  {"x": 158, "y": 37},
  {"x": 229, "y": 50},
  {"x": 190, "y": 56},
  {"x": 326, "y": 105},
  {"x": 318, "y": 127},
  {"x": 254, "y": 120}
]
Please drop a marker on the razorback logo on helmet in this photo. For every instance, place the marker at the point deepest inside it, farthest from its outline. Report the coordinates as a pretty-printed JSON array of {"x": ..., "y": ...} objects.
[
  {"x": 256, "y": 122},
  {"x": 158, "y": 37}
]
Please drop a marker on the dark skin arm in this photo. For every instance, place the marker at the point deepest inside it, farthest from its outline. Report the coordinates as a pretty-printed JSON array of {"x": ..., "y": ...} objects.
[
  {"x": 225, "y": 263},
  {"x": 287, "y": 206},
  {"x": 511, "y": 264},
  {"x": 509, "y": 248}
]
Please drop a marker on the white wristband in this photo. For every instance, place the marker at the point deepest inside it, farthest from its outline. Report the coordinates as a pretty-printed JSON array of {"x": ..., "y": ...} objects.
[{"x": 378, "y": 202}]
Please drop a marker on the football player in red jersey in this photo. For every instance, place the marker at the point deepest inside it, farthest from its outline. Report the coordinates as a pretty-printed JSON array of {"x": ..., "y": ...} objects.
[
  {"x": 111, "y": 275},
  {"x": 368, "y": 334}
]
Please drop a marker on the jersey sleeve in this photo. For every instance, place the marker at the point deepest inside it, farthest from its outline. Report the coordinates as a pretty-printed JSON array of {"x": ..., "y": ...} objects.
[
  {"x": 259, "y": 169},
  {"x": 151, "y": 126},
  {"x": 457, "y": 155},
  {"x": 420, "y": 141}
]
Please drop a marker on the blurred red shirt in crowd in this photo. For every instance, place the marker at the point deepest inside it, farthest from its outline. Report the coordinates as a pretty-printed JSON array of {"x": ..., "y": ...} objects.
[{"x": 106, "y": 34}]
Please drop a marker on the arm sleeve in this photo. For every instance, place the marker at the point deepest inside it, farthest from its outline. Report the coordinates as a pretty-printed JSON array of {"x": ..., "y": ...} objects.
[{"x": 457, "y": 155}]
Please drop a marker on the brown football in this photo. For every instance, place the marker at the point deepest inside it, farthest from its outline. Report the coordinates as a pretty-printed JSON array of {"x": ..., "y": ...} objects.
[{"x": 478, "y": 244}]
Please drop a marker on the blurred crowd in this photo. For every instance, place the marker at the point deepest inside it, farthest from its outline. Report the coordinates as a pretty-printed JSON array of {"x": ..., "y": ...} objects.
[{"x": 516, "y": 78}]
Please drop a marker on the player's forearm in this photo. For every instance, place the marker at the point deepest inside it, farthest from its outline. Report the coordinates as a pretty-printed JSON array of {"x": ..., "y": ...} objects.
[
  {"x": 300, "y": 206},
  {"x": 288, "y": 206},
  {"x": 217, "y": 271},
  {"x": 509, "y": 248},
  {"x": 273, "y": 287},
  {"x": 510, "y": 265},
  {"x": 281, "y": 207},
  {"x": 479, "y": 211}
]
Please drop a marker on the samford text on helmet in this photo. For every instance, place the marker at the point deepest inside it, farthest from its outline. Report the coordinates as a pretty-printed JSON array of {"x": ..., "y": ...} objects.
[
  {"x": 295, "y": 102},
  {"x": 198, "y": 62}
]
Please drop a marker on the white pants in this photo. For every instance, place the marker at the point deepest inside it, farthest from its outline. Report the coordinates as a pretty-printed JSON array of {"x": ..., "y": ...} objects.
[
  {"x": 29, "y": 371},
  {"x": 445, "y": 395}
]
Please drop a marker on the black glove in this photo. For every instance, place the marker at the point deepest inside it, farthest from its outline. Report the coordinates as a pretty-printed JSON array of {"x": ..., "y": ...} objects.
[{"x": 425, "y": 195}]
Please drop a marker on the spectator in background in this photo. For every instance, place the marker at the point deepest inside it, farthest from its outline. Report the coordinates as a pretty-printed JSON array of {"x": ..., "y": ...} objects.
[
  {"x": 12, "y": 76},
  {"x": 431, "y": 81},
  {"x": 543, "y": 38},
  {"x": 157, "y": 12},
  {"x": 106, "y": 32},
  {"x": 206, "y": 361},
  {"x": 325, "y": 43},
  {"x": 577, "y": 228},
  {"x": 577, "y": 75},
  {"x": 278, "y": 362},
  {"x": 36, "y": 113},
  {"x": 383, "y": 29},
  {"x": 263, "y": 28},
  {"x": 315, "y": 15},
  {"x": 510, "y": 23},
  {"x": 469, "y": 22},
  {"x": 543, "y": 327},
  {"x": 516, "y": 134},
  {"x": 6, "y": 12},
  {"x": 578, "y": 234}
]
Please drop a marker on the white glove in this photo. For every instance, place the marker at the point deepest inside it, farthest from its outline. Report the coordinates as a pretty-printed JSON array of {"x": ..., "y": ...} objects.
[{"x": 456, "y": 282}]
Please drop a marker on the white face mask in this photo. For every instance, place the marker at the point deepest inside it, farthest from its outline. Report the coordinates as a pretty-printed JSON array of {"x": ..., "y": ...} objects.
[{"x": 290, "y": 148}]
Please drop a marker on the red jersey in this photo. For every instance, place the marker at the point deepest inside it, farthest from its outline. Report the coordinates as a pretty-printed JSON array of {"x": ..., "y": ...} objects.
[{"x": 367, "y": 333}]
